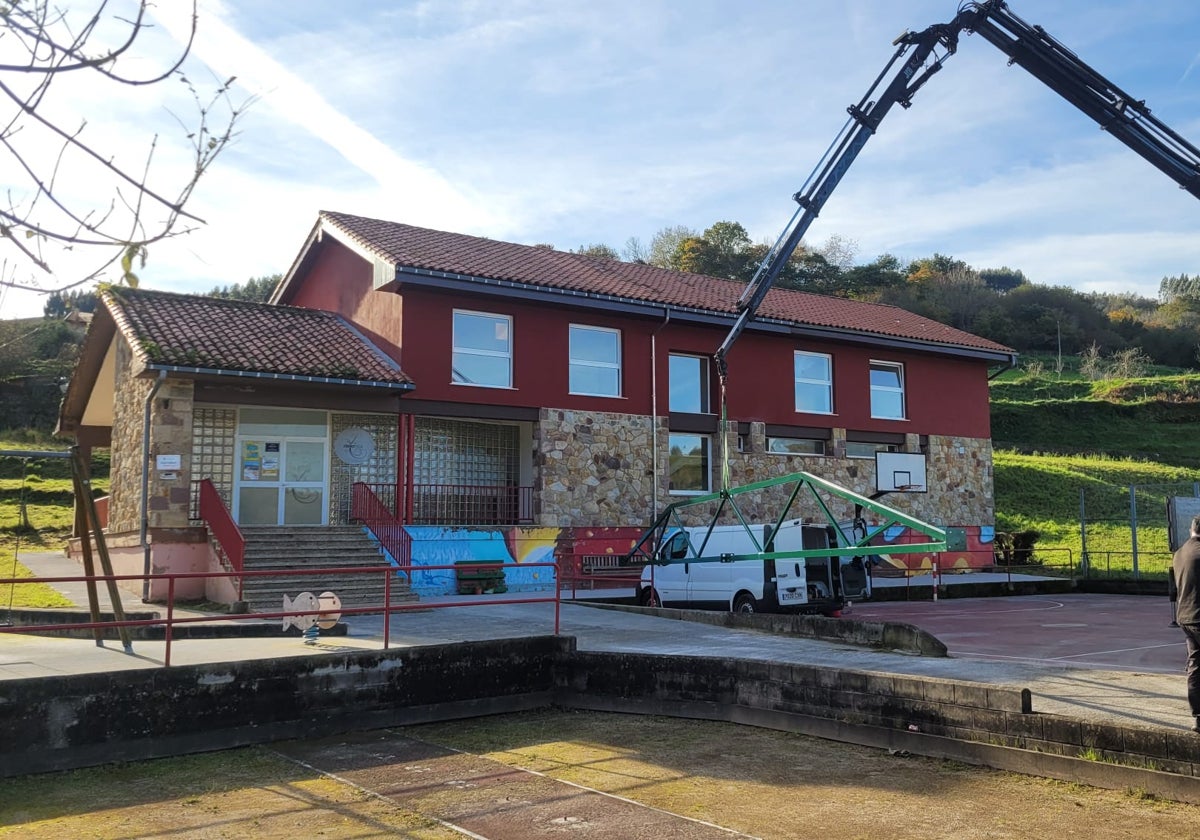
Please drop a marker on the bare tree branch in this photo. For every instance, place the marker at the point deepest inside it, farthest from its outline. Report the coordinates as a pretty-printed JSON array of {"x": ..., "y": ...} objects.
[{"x": 66, "y": 191}]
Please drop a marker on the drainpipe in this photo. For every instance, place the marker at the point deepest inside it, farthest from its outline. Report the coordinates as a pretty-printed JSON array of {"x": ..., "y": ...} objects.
[
  {"x": 654, "y": 408},
  {"x": 145, "y": 517}
]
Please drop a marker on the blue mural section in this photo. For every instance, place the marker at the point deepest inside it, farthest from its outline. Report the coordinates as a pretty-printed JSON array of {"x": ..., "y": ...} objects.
[{"x": 514, "y": 547}]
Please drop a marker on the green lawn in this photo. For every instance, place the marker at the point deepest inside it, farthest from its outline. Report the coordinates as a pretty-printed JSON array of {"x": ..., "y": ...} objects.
[{"x": 44, "y": 488}]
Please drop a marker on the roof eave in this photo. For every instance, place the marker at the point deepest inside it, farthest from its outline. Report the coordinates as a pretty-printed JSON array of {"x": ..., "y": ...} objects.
[
  {"x": 447, "y": 280},
  {"x": 283, "y": 377}
]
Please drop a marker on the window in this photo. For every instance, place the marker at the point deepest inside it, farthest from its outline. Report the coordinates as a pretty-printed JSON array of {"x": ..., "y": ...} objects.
[
  {"x": 688, "y": 470},
  {"x": 482, "y": 350},
  {"x": 814, "y": 383},
  {"x": 595, "y": 367},
  {"x": 795, "y": 446},
  {"x": 689, "y": 384},
  {"x": 864, "y": 449},
  {"x": 887, "y": 390}
]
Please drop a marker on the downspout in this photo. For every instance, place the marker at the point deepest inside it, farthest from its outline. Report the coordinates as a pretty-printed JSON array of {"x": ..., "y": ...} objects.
[
  {"x": 654, "y": 409},
  {"x": 145, "y": 517}
]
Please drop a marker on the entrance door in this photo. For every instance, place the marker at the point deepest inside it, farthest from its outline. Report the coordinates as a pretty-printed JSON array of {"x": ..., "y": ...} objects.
[{"x": 282, "y": 481}]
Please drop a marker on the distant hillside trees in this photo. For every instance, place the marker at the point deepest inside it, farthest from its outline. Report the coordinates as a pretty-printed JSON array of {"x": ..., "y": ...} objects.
[
  {"x": 256, "y": 289},
  {"x": 1171, "y": 289},
  {"x": 59, "y": 304},
  {"x": 1002, "y": 304}
]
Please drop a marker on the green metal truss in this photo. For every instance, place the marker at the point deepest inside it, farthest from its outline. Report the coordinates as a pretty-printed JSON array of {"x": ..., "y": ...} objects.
[{"x": 856, "y": 542}]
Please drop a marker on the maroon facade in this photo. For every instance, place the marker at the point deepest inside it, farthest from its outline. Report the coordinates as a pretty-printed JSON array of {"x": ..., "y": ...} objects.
[{"x": 944, "y": 394}]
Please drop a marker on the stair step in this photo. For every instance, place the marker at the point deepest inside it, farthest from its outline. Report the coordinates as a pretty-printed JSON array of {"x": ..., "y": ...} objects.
[{"x": 287, "y": 550}]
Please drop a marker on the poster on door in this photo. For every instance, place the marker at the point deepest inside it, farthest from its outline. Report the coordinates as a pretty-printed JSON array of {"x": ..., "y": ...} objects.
[
  {"x": 270, "y": 461},
  {"x": 252, "y": 455}
]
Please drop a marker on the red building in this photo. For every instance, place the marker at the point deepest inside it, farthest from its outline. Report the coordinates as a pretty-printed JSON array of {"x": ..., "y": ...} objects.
[
  {"x": 541, "y": 369},
  {"x": 466, "y": 382}
]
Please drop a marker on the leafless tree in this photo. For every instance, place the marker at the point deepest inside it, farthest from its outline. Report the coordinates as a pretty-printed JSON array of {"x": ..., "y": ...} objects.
[{"x": 77, "y": 202}]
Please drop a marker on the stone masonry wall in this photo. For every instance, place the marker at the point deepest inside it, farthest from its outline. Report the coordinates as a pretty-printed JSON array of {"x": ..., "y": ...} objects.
[
  {"x": 170, "y": 433},
  {"x": 596, "y": 470}
]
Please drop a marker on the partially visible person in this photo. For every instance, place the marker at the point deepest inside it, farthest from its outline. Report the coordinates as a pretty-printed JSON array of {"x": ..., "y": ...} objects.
[{"x": 1185, "y": 573}]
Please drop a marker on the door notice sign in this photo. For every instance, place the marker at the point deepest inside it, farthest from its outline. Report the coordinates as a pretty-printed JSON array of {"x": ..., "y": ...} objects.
[{"x": 168, "y": 462}]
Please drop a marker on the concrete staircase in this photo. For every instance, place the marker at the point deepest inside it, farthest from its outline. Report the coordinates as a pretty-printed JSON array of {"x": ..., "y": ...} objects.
[{"x": 289, "y": 549}]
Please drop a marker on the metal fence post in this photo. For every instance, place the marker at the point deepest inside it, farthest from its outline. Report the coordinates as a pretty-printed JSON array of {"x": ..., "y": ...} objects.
[
  {"x": 1133, "y": 528},
  {"x": 1084, "y": 561}
]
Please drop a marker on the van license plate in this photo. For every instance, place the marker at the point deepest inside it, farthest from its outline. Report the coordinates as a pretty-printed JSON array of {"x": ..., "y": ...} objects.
[{"x": 792, "y": 596}]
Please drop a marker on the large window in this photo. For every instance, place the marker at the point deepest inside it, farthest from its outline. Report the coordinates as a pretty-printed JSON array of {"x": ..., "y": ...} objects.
[
  {"x": 887, "y": 390},
  {"x": 867, "y": 449},
  {"x": 482, "y": 350},
  {"x": 689, "y": 471},
  {"x": 795, "y": 446},
  {"x": 689, "y": 384},
  {"x": 595, "y": 367},
  {"x": 814, "y": 383}
]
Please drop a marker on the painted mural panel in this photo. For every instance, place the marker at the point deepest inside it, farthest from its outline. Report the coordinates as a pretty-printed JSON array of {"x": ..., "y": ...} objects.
[{"x": 516, "y": 548}]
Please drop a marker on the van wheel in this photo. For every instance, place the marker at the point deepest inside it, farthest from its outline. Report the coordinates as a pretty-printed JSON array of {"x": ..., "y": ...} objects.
[
  {"x": 743, "y": 603},
  {"x": 650, "y": 597}
]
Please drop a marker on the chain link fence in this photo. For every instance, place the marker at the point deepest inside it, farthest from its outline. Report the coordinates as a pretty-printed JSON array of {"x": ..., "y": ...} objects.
[{"x": 1124, "y": 529}]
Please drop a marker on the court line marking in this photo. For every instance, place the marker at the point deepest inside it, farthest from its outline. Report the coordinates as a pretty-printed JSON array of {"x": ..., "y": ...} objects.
[
  {"x": 377, "y": 795},
  {"x": 616, "y": 796},
  {"x": 1123, "y": 650},
  {"x": 642, "y": 805},
  {"x": 1054, "y": 605},
  {"x": 1094, "y": 666}
]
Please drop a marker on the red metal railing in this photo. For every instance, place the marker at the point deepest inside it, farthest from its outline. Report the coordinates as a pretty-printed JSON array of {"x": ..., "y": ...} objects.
[
  {"x": 381, "y": 521},
  {"x": 223, "y": 529},
  {"x": 460, "y": 504},
  {"x": 171, "y": 621}
]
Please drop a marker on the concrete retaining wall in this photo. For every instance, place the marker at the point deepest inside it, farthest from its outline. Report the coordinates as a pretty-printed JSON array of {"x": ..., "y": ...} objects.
[
  {"x": 76, "y": 721},
  {"x": 71, "y": 721},
  {"x": 873, "y": 634}
]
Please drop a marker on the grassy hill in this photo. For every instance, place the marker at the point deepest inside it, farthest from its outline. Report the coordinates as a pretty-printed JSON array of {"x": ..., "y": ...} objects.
[{"x": 1063, "y": 441}]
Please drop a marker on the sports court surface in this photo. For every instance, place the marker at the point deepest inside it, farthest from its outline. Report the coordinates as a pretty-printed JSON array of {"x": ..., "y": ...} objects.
[{"x": 1112, "y": 632}]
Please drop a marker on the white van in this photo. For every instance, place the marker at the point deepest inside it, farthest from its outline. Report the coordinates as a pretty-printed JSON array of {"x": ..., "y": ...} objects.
[{"x": 726, "y": 580}]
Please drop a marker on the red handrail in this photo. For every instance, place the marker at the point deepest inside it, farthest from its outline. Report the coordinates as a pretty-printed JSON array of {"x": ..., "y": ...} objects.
[
  {"x": 458, "y": 504},
  {"x": 223, "y": 529},
  {"x": 381, "y": 521},
  {"x": 171, "y": 621}
]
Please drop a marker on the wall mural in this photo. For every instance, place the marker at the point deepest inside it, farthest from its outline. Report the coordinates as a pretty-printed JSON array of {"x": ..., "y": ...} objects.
[
  {"x": 518, "y": 548},
  {"x": 514, "y": 547},
  {"x": 978, "y": 553}
]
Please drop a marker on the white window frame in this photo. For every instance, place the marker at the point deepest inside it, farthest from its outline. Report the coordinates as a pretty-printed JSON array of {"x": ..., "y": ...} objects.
[
  {"x": 875, "y": 447},
  {"x": 573, "y": 361},
  {"x": 706, "y": 441},
  {"x": 827, "y": 383},
  {"x": 883, "y": 389},
  {"x": 823, "y": 446},
  {"x": 455, "y": 350},
  {"x": 703, "y": 382}
]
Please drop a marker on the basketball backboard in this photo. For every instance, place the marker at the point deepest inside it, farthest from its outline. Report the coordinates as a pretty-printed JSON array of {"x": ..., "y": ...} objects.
[{"x": 900, "y": 472}]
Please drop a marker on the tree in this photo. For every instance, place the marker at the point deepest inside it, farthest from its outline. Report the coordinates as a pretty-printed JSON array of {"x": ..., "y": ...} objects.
[
  {"x": 69, "y": 192},
  {"x": 59, "y": 304},
  {"x": 1003, "y": 279},
  {"x": 256, "y": 289},
  {"x": 665, "y": 243},
  {"x": 598, "y": 249},
  {"x": 723, "y": 250}
]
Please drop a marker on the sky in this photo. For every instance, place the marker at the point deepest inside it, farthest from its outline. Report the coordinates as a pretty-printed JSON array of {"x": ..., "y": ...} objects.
[{"x": 570, "y": 123}]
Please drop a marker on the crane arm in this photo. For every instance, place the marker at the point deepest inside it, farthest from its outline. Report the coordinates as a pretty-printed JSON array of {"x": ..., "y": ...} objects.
[{"x": 1031, "y": 47}]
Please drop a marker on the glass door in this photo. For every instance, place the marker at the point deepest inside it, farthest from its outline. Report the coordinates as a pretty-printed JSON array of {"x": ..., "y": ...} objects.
[
  {"x": 303, "y": 486},
  {"x": 281, "y": 482}
]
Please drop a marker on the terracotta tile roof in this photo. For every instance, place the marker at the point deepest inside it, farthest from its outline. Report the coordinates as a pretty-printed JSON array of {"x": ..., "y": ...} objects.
[
  {"x": 412, "y": 247},
  {"x": 189, "y": 331}
]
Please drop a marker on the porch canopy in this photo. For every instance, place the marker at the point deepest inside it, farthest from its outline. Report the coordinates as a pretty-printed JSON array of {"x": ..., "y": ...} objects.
[{"x": 221, "y": 344}]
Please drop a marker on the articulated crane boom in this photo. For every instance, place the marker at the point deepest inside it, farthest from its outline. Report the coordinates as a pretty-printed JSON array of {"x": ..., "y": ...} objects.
[
  {"x": 917, "y": 54},
  {"x": 917, "y": 58}
]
